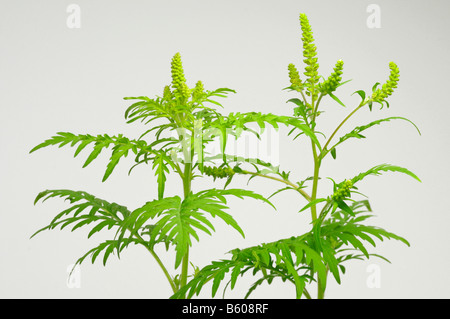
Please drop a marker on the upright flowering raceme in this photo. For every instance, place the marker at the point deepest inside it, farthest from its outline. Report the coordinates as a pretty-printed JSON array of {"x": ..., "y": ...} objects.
[
  {"x": 380, "y": 95},
  {"x": 198, "y": 91},
  {"x": 294, "y": 77},
  {"x": 178, "y": 79},
  {"x": 167, "y": 94},
  {"x": 331, "y": 84},
  {"x": 309, "y": 54}
]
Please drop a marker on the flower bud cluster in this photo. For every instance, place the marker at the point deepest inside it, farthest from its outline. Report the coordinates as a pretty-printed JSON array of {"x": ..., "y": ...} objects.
[
  {"x": 330, "y": 85},
  {"x": 343, "y": 191},
  {"x": 294, "y": 77},
  {"x": 218, "y": 172},
  {"x": 198, "y": 91},
  {"x": 178, "y": 79},
  {"x": 387, "y": 89},
  {"x": 309, "y": 54},
  {"x": 167, "y": 94}
]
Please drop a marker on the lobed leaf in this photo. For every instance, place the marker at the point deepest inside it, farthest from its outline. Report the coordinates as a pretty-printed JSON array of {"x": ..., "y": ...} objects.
[{"x": 376, "y": 170}]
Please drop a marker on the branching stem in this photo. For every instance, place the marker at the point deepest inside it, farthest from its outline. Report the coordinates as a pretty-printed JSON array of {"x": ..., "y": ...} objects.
[
  {"x": 324, "y": 149},
  {"x": 287, "y": 182}
]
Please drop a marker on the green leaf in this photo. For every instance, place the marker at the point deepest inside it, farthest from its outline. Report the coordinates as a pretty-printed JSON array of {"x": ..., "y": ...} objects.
[
  {"x": 121, "y": 147},
  {"x": 100, "y": 226},
  {"x": 179, "y": 219},
  {"x": 97, "y": 150},
  {"x": 334, "y": 97},
  {"x": 300, "y": 110},
  {"x": 107, "y": 246},
  {"x": 207, "y": 203},
  {"x": 333, "y": 152},
  {"x": 361, "y": 93},
  {"x": 119, "y": 151},
  {"x": 375, "y": 86},
  {"x": 101, "y": 211},
  {"x": 350, "y": 238},
  {"x": 314, "y": 202},
  {"x": 342, "y": 205},
  {"x": 329, "y": 255},
  {"x": 239, "y": 193},
  {"x": 238, "y": 121},
  {"x": 159, "y": 163},
  {"x": 376, "y": 170},
  {"x": 217, "y": 280},
  {"x": 280, "y": 190},
  {"x": 355, "y": 133}
]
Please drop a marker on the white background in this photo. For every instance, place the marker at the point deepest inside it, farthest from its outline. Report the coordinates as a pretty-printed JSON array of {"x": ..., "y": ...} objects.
[{"x": 54, "y": 78}]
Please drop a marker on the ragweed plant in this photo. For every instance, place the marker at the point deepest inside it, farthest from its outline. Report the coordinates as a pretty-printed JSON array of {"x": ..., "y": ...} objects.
[
  {"x": 339, "y": 230},
  {"x": 181, "y": 123}
]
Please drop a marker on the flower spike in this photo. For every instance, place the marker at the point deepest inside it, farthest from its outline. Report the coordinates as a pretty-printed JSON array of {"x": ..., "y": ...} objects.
[
  {"x": 178, "y": 79},
  {"x": 330, "y": 85},
  {"x": 380, "y": 95},
  {"x": 294, "y": 77},
  {"x": 309, "y": 54}
]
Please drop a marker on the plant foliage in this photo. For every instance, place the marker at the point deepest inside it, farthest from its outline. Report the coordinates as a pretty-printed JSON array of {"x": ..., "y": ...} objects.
[
  {"x": 339, "y": 230},
  {"x": 180, "y": 125}
]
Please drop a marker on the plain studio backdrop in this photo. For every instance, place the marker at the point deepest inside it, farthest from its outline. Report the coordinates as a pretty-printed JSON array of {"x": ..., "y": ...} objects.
[{"x": 66, "y": 66}]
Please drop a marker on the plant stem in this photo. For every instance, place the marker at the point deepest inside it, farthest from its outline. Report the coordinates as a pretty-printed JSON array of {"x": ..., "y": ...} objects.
[
  {"x": 187, "y": 179},
  {"x": 184, "y": 269},
  {"x": 315, "y": 185},
  {"x": 320, "y": 290},
  {"x": 152, "y": 252},
  {"x": 166, "y": 273},
  {"x": 302, "y": 192},
  {"x": 306, "y": 293},
  {"x": 317, "y": 106},
  {"x": 324, "y": 149},
  {"x": 317, "y": 162}
]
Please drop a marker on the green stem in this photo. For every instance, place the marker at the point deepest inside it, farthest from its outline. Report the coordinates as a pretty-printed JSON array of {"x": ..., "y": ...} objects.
[
  {"x": 320, "y": 290},
  {"x": 187, "y": 180},
  {"x": 317, "y": 107},
  {"x": 315, "y": 184},
  {"x": 306, "y": 293},
  {"x": 324, "y": 149},
  {"x": 317, "y": 162},
  {"x": 296, "y": 187},
  {"x": 184, "y": 269},
  {"x": 152, "y": 252},
  {"x": 304, "y": 97},
  {"x": 160, "y": 263},
  {"x": 166, "y": 273}
]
